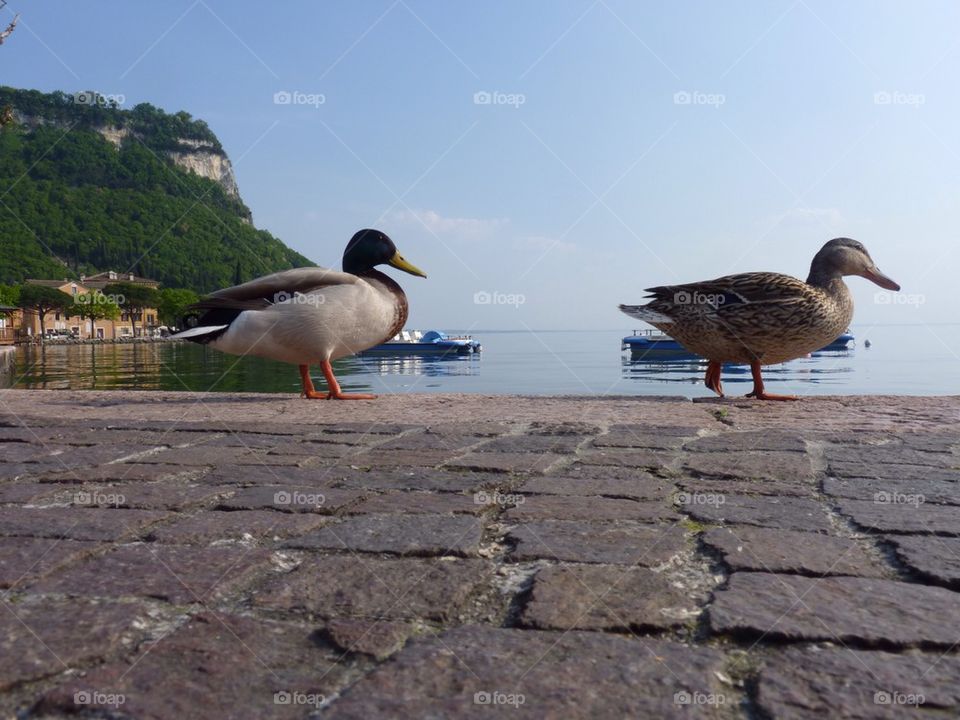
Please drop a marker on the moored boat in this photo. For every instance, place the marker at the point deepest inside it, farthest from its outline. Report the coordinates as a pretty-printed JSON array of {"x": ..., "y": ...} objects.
[{"x": 433, "y": 342}]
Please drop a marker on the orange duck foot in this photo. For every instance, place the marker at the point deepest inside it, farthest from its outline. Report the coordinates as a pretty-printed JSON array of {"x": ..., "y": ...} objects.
[
  {"x": 758, "y": 392},
  {"x": 335, "y": 393},
  {"x": 712, "y": 379}
]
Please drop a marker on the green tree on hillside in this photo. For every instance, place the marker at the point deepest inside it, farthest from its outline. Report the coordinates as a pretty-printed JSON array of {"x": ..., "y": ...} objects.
[
  {"x": 133, "y": 299},
  {"x": 42, "y": 299},
  {"x": 173, "y": 305},
  {"x": 95, "y": 306}
]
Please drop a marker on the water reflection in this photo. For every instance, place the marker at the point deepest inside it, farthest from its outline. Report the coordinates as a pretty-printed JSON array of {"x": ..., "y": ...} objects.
[
  {"x": 820, "y": 367},
  {"x": 182, "y": 366}
]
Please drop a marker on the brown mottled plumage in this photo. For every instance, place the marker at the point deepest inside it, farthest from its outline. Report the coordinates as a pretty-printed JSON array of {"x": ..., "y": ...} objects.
[{"x": 762, "y": 318}]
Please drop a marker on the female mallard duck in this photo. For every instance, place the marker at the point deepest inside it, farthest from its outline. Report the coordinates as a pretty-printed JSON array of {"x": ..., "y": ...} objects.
[
  {"x": 762, "y": 318},
  {"x": 311, "y": 316}
]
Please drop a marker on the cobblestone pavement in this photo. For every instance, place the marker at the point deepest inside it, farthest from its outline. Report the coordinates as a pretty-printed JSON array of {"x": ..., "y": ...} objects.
[{"x": 171, "y": 555}]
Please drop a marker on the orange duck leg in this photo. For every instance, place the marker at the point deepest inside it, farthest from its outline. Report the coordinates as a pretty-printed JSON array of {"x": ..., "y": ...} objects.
[
  {"x": 758, "y": 392},
  {"x": 712, "y": 379},
  {"x": 334, "y": 387}
]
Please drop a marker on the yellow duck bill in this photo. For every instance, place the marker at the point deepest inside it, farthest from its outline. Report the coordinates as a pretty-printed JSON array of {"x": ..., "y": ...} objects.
[{"x": 399, "y": 263}]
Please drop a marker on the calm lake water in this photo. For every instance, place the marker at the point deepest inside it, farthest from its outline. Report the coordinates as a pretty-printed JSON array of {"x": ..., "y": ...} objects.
[{"x": 905, "y": 360}]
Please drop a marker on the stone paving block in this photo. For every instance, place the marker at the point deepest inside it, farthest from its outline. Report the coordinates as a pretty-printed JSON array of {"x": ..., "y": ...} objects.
[
  {"x": 217, "y": 525},
  {"x": 602, "y": 597},
  {"x": 76, "y": 523},
  {"x": 377, "y": 638},
  {"x": 587, "y": 509},
  {"x": 177, "y": 574},
  {"x": 890, "y": 471},
  {"x": 506, "y": 462},
  {"x": 148, "y": 496},
  {"x": 22, "y": 491},
  {"x": 627, "y": 458},
  {"x": 659, "y": 430},
  {"x": 785, "y": 513},
  {"x": 325, "y": 451},
  {"x": 642, "y": 486},
  {"x": 275, "y": 475},
  {"x": 936, "y": 492},
  {"x": 216, "y": 666},
  {"x": 560, "y": 429},
  {"x": 219, "y": 456},
  {"x": 340, "y": 586},
  {"x": 791, "y": 466},
  {"x": 643, "y": 437},
  {"x": 421, "y": 479},
  {"x": 755, "y": 486},
  {"x": 788, "y": 551},
  {"x": 836, "y": 609},
  {"x": 621, "y": 544},
  {"x": 43, "y": 637},
  {"x": 398, "y": 534},
  {"x": 558, "y": 444},
  {"x": 431, "y": 442},
  {"x": 797, "y": 684},
  {"x": 23, "y": 558},
  {"x": 377, "y": 458},
  {"x": 482, "y": 672},
  {"x": 936, "y": 559},
  {"x": 738, "y": 442},
  {"x": 121, "y": 473},
  {"x": 424, "y": 503},
  {"x": 888, "y": 454},
  {"x": 908, "y": 514},
  {"x": 292, "y": 498}
]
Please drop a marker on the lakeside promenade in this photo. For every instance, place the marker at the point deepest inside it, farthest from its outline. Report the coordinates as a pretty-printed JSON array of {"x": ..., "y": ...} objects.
[{"x": 185, "y": 555}]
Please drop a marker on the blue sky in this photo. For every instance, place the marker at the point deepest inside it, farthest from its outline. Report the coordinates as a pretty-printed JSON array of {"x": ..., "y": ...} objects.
[{"x": 625, "y": 144}]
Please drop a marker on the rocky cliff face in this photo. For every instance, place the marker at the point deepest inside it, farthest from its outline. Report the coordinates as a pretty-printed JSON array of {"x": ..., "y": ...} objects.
[{"x": 194, "y": 156}]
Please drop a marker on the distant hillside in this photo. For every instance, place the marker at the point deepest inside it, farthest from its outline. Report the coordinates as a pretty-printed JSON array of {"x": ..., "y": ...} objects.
[{"x": 86, "y": 187}]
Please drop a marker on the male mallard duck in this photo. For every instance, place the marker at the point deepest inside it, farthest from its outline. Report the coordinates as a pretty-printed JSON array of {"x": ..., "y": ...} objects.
[
  {"x": 311, "y": 316},
  {"x": 762, "y": 318}
]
